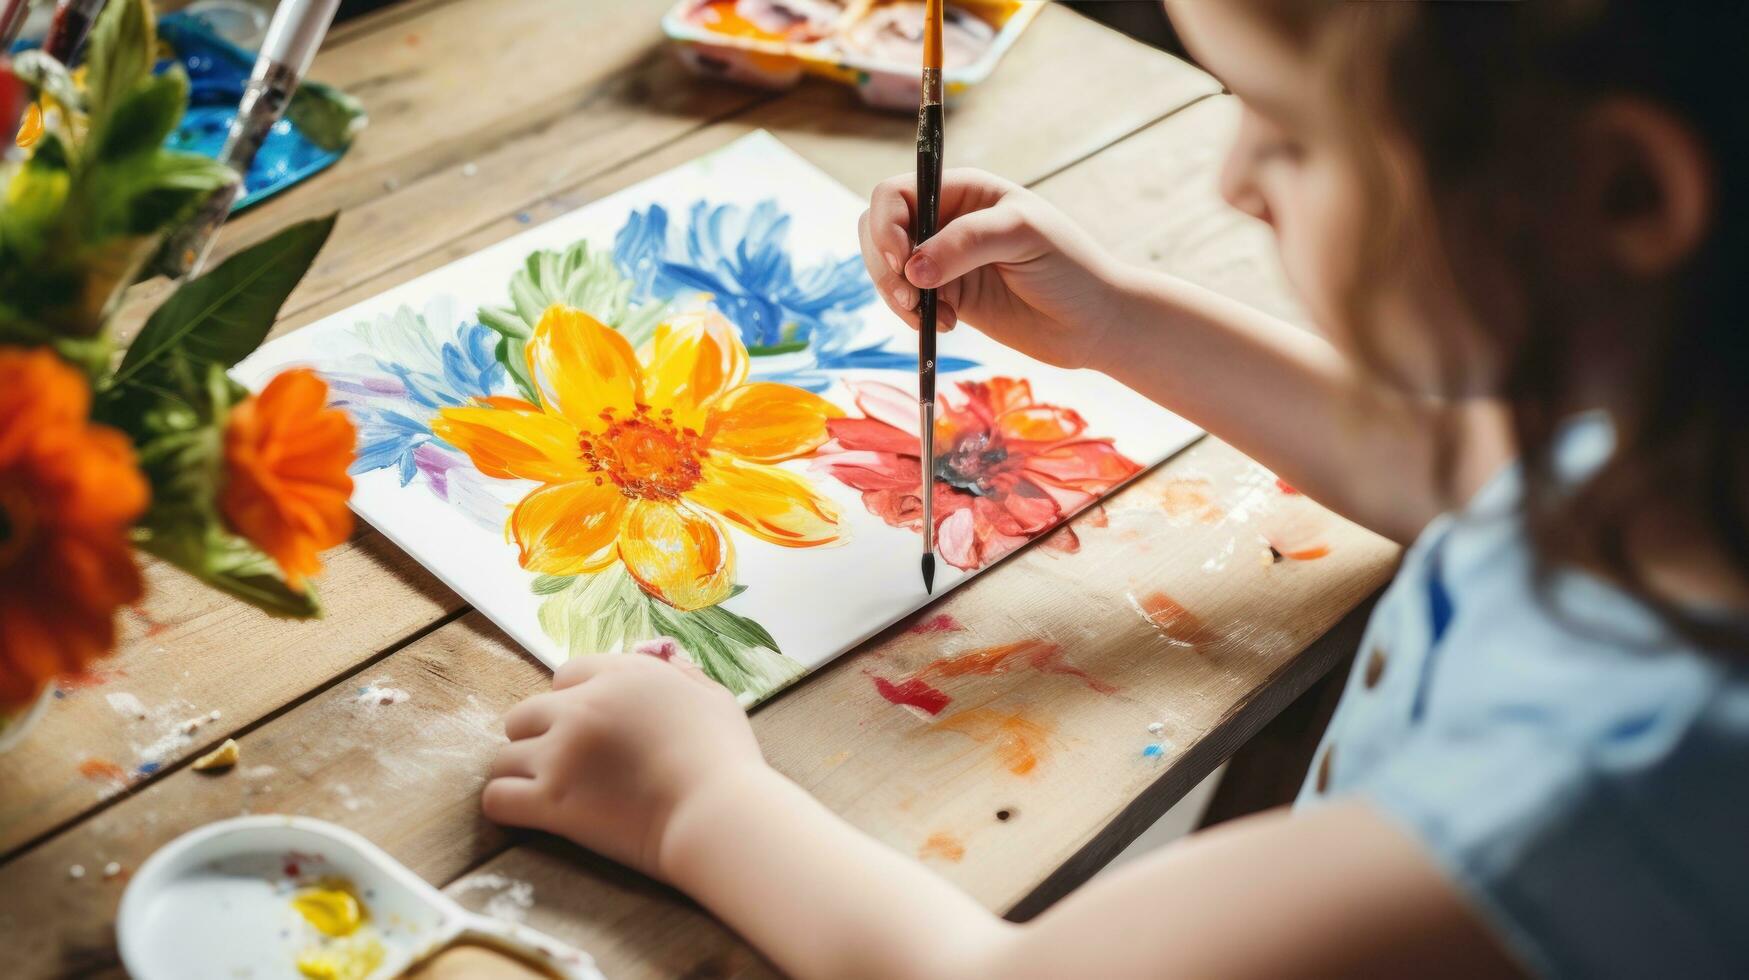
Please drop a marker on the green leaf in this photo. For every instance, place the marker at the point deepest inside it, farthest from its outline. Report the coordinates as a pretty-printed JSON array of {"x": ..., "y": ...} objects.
[
  {"x": 552, "y": 584},
  {"x": 147, "y": 193},
  {"x": 118, "y": 57},
  {"x": 608, "y": 613},
  {"x": 145, "y": 118},
  {"x": 325, "y": 115},
  {"x": 222, "y": 316},
  {"x": 227, "y": 562}
]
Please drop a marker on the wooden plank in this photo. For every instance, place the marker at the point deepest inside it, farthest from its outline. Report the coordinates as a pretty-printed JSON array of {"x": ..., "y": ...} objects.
[
  {"x": 994, "y": 773},
  {"x": 379, "y": 596}
]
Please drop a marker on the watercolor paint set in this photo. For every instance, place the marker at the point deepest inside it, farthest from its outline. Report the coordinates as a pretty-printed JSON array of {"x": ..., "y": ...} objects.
[
  {"x": 873, "y": 46},
  {"x": 281, "y": 896}
]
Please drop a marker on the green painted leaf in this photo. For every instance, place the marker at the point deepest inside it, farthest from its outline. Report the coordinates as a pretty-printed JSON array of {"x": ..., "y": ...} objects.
[
  {"x": 222, "y": 316},
  {"x": 552, "y": 584},
  {"x": 608, "y": 613},
  {"x": 579, "y": 277}
]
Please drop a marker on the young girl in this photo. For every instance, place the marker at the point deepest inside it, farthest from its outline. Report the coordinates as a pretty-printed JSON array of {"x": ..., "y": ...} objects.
[{"x": 1521, "y": 228}]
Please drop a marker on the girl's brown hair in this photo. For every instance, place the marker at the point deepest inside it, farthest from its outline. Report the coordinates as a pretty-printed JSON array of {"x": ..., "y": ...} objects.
[{"x": 1488, "y": 98}]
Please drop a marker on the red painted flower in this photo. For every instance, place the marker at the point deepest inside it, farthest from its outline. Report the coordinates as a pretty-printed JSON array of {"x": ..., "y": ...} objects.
[{"x": 1007, "y": 468}]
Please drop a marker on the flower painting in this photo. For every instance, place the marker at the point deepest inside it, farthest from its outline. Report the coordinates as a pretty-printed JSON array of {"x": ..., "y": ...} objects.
[
  {"x": 1007, "y": 467},
  {"x": 673, "y": 422}
]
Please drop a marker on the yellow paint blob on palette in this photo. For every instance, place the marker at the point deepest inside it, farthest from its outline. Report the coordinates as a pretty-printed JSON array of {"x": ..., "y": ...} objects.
[{"x": 678, "y": 421}]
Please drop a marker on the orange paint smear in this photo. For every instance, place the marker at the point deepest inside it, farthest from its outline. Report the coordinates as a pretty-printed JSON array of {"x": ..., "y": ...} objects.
[
  {"x": 102, "y": 769},
  {"x": 1020, "y": 743},
  {"x": 88, "y": 679},
  {"x": 1063, "y": 541},
  {"x": 1097, "y": 517},
  {"x": 1038, "y": 655},
  {"x": 1174, "y": 622},
  {"x": 944, "y": 846},
  {"x": 1191, "y": 498}
]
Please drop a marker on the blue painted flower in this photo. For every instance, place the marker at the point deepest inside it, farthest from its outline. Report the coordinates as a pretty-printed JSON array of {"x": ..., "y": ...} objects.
[
  {"x": 804, "y": 323},
  {"x": 400, "y": 370}
]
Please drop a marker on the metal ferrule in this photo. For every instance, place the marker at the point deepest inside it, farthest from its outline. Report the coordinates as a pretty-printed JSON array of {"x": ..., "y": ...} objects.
[{"x": 932, "y": 86}]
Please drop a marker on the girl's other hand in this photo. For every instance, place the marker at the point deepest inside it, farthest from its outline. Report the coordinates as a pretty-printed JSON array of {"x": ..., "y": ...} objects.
[
  {"x": 1004, "y": 259},
  {"x": 608, "y": 756}
]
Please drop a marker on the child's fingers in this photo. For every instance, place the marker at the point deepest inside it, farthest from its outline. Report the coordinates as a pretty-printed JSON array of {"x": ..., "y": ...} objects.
[
  {"x": 969, "y": 243},
  {"x": 530, "y": 718},
  {"x": 516, "y": 759},
  {"x": 898, "y": 294},
  {"x": 889, "y": 219},
  {"x": 579, "y": 669},
  {"x": 514, "y": 800}
]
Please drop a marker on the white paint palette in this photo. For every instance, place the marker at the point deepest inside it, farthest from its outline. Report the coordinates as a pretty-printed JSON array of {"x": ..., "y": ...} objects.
[{"x": 217, "y": 902}]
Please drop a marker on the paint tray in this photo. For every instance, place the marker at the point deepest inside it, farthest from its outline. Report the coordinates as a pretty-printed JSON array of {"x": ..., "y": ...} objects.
[
  {"x": 217, "y": 902},
  {"x": 828, "y": 46},
  {"x": 314, "y": 134}
]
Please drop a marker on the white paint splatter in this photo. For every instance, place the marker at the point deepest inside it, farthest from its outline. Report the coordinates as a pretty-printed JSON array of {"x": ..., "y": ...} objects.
[
  {"x": 511, "y": 899},
  {"x": 127, "y": 705},
  {"x": 257, "y": 772},
  {"x": 375, "y": 693}
]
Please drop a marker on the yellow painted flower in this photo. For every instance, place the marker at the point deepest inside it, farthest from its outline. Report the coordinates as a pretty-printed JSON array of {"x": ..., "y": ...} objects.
[{"x": 642, "y": 456}]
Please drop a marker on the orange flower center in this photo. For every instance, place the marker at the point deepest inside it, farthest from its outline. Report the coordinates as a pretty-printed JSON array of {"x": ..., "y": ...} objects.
[
  {"x": 17, "y": 523},
  {"x": 647, "y": 457}
]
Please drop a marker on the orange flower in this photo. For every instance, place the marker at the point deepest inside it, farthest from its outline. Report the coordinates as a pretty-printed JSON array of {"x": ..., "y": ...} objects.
[
  {"x": 642, "y": 457},
  {"x": 286, "y": 455},
  {"x": 68, "y": 492}
]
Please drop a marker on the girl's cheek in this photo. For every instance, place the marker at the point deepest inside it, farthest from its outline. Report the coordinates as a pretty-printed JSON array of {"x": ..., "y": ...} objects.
[{"x": 1313, "y": 230}]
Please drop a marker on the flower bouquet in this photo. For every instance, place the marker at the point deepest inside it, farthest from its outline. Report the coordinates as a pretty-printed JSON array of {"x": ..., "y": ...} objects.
[{"x": 106, "y": 448}]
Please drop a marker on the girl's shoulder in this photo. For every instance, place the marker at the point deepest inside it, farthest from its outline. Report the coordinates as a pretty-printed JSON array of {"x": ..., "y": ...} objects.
[{"x": 1574, "y": 765}]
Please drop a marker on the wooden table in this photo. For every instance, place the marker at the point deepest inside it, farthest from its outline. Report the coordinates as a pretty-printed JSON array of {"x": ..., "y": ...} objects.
[{"x": 489, "y": 117}]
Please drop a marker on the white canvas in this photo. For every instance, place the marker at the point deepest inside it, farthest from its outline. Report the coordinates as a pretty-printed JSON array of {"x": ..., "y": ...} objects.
[{"x": 386, "y": 361}]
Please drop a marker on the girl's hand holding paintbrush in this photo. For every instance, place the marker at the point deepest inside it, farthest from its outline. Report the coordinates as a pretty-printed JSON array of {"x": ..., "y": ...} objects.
[{"x": 1004, "y": 259}]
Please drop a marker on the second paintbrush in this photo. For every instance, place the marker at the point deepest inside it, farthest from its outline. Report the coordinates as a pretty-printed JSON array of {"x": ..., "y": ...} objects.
[{"x": 929, "y": 153}]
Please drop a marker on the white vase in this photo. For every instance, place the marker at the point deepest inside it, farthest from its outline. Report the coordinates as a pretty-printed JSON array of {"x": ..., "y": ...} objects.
[{"x": 17, "y": 724}]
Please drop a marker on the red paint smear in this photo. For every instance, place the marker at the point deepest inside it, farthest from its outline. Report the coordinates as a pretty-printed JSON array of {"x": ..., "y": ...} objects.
[
  {"x": 102, "y": 769},
  {"x": 1174, "y": 621},
  {"x": 1097, "y": 517},
  {"x": 1285, "y": 487},
  {"x": 1037, "y": 654},
  {"x": 913, "y": 693},
  {"x": 153, "y": 627},
  {"x": 940, "y": 624}
]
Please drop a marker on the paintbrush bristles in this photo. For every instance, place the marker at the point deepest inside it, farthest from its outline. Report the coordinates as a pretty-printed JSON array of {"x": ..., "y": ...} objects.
[{"x": 934, "y": 18}]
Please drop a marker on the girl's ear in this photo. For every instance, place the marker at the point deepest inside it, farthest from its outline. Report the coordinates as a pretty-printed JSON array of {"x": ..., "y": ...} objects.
[{"x": 1649, "y": 186}]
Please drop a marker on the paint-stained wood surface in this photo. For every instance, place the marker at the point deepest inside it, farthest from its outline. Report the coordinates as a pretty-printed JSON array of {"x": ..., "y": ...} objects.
[{"x": 1165, "y": 607}]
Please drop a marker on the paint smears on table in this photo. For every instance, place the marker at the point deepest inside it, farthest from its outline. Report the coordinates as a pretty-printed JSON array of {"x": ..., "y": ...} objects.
[
  {"x": 939, "y": 623},
  {"x": 1019, "y": 742},
  {"x": 918, "y": 695},
  {"x": 1039, "y": 655},
  {"x": 1172, "y": 620},
  {"x": 944, "y": 846}
]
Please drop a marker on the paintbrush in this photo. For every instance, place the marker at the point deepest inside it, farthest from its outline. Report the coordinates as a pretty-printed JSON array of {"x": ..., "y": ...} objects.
[
  {"x": 293, "y": 36},
  {"x": 72, "y": 21},
  {"x": 929, "y": 151},
  {"x": 13, "y": 14}
]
